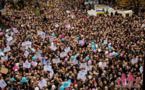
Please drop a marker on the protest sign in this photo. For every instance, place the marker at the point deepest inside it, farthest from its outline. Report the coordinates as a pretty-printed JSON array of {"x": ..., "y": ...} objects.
[
  {"x": 4, "y": 58},
  {"x": 143, "y": 25},
  {"x": 39, "y": 32},
  {"x": 33, "y": 63},
  {"x": 26, "y": 53},
  {"x": 9, "y": 38},
  {"x": 56, "y": 60},
  {"x": 7, "y": 49},
  {"x": 51, "y": 73},
  {"x": 81, "y": 76},
  {"x": 15, "y": 30},
  {"x": 28, "y": 43},
  {"x": 63, "y": 54},
  {"x": 105, "y": 41},
  {"x": 23, "y": 44},
  {"x": 102, "y": 64},
  {"x": 43, "y": 35},
  {"x": 67, "y": 49},
  {"x": 88, "y": 68},
  {"x": 42, "y": 83},
  {"x": 83, "y": 65},
  {"x": 53, "y": 47},
  {"x": 84, "y": 78},
  {"x": 47, "y": 68},
  {"x": 47, "y": 62},
  {"x": 135, "y": 60},
  {"x": 37, "y": 56},
  {"x": 50, "y": 38},
  {"x": 83, "y": 72},
  {"x": 26, "y": 65},
  {"x": 12, "y": 33},
  {"x": 81, "y": 42},
  {"x": 67, "y": 26},
  {"x": 2, "y": 83},
  {"x": 1, "y": 53},
  {"x": 75, "y": 61},
  {"x": 141, "y": 69},
  {"x": 39, "y": 52},
  {"x": 42, "y": 61},
  {"x": 27, "y": 47},
  {"x": 4, "y": 70}
]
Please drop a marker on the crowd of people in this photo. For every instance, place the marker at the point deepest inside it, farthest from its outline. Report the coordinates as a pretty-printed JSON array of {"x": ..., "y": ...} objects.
[{"x": 71, "y": 43}]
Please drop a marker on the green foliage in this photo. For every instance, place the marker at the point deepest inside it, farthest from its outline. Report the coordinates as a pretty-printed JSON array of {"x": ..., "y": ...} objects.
[
  {"x": 20, "y": 4},
  {"x": 36, "y": 12}
]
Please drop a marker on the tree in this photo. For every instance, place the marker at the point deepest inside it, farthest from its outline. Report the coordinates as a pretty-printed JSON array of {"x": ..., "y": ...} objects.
[
  {"x": 124, "y": 3},
  {"x": 142, "y": 3},
  {"x": 133, "y": 4},
  {"x": 117, "y": 2}
]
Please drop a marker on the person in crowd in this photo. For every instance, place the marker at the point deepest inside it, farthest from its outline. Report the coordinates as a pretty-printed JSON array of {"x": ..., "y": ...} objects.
[{"x": 115, "y": 40}]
